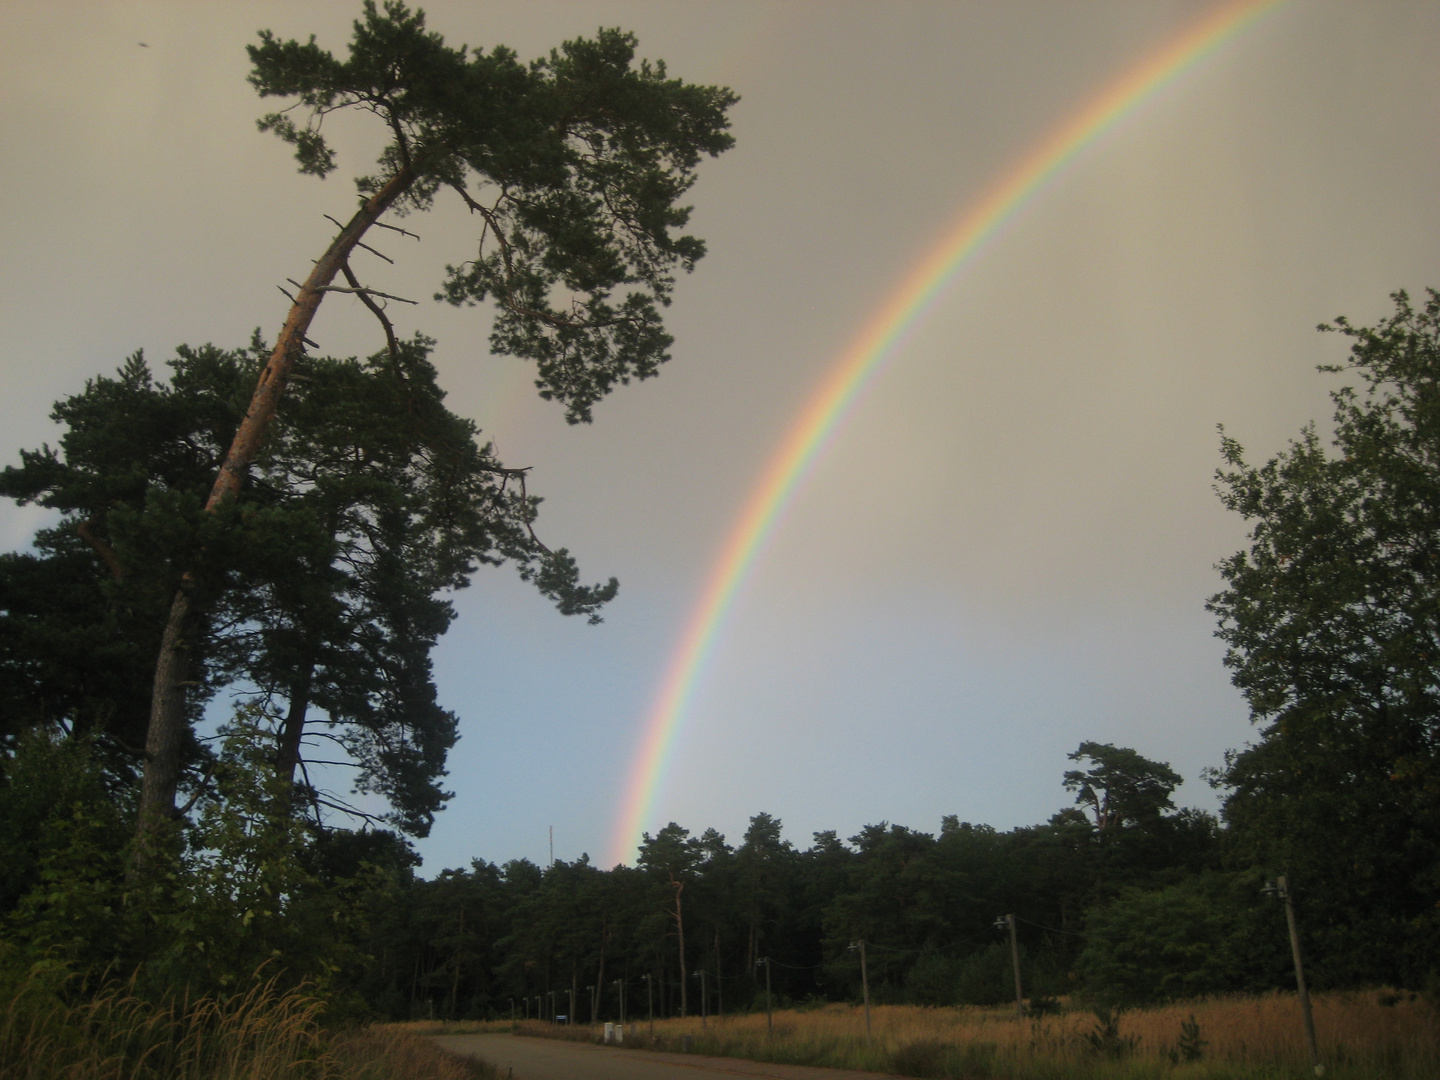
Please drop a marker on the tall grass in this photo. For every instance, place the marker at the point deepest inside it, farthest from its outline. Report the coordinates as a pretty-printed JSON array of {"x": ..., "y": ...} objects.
[
  {"x": 1362, "y": 1036},
  {"x": 259, "y": 1034}
]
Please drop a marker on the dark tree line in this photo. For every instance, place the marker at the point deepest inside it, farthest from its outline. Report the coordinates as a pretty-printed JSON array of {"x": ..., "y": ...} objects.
[{"x": 481, "y": 941}]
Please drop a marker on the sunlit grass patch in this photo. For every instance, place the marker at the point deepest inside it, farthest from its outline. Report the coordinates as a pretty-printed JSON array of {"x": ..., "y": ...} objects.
[{"x": 1362, "y": 1035}]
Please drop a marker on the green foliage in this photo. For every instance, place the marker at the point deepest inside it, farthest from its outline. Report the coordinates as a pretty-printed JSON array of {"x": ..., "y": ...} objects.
[
  {"x": 1121, "y": 788},
  {"x": 80, "y": 617},
  {"x": 987, "y": 977},
  {"x": 324, "y": 580},
  {"x": 53, "y": 788},
  {"x": 1190, "y": 1047},
  {"x": 1105, "y": 1040},
  {"x": 934, "y": 979},
  {"x": 318, "y": 584},
  {"x": 892, "y": 897},
  {"x": 75, "y": 913},
  {"x": 573, "y": 164},
  {"x": 245, "y": 900},
  {"x": 1331, "y": 618},
  {"x": 1162, "y": 945}
]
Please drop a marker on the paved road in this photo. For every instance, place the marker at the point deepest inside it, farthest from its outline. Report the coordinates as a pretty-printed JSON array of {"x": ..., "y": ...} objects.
[{"x": 554, "y": 1059}]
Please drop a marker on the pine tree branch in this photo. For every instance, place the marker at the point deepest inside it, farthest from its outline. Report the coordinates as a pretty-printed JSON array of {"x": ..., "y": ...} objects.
[{"x": 104, "y": 550}]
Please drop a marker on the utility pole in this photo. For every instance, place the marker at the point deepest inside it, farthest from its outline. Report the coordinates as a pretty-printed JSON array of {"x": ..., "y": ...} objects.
[
  {"x": 769, "y": 1015},
  {"x": 570, "y": 1017},
  {"x": 650, "y": 1003},
  {"x": 1000, "y": 924},
  {"x": 621, "y": 984},
  {"x": 864, "y": 984},
  {"x": 1278, "y": 888},
  {"x": 592, "y": 1003}
]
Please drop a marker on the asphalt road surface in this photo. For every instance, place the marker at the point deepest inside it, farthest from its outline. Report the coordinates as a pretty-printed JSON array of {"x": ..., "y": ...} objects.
[{"x": 554, "y": 1059}]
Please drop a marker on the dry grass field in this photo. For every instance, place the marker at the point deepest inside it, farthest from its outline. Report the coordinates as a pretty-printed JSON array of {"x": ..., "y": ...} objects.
[
  {"x": 1372, "y": 1035},
  {"x": 257, "y": 1035}
]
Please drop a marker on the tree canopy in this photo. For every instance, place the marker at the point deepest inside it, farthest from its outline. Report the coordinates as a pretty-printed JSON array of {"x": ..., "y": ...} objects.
[
  {"x": 326, "y": 581},
  {"x": 1331, "y": 618},
  {"x": 573, "y": 166},
  {"x": 1121, "y": 788}
]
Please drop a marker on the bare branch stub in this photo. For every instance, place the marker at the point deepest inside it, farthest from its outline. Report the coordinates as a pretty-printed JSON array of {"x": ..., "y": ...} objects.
[
  {"x": 356, "y": 287},
  {"x": 376, "y": 310},
  {"x": 367, "y": 247},
  {"x": 363, "y": 292},
  {"x": 377, "y": 254},
  {"x": 396, "y": 228}
]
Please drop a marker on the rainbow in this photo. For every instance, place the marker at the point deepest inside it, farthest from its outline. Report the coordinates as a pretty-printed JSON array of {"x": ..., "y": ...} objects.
[{"x": 867, "y": 355}]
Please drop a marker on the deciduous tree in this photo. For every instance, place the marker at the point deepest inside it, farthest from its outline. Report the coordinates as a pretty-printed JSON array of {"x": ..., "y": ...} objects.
[{"x": 1331, "y": 616}]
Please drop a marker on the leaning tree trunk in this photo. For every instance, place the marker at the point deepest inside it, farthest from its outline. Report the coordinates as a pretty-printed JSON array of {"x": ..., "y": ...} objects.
[{"x": 166, "y": 735}]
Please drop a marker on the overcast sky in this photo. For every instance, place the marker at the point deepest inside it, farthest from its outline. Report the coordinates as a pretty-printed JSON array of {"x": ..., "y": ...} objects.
[{"x": 1008, "y": 547}]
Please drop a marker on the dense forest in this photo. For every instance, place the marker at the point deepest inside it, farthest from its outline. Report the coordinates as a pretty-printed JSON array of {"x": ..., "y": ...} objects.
[{"x": 149, "y": 832}]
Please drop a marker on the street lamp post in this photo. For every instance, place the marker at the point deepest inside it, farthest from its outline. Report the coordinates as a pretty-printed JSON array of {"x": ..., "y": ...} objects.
[
  {"x": 864, "y": 984},
  {"x": 769, "y": 1015},
  {"x": 703, "y": 1007},
  {"x": 1000, "y": 924},
  {"x": 650, "y": 1003},
  {"x": 1280, "y": 890}
]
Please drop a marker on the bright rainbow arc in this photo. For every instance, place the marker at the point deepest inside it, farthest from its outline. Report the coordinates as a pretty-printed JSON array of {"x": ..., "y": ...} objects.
[{"x": 868, "y": 354}]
